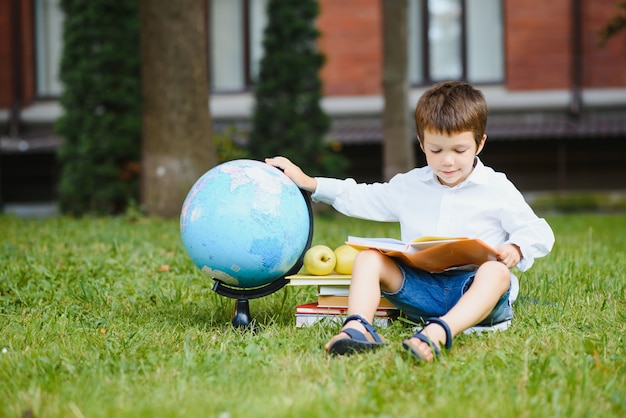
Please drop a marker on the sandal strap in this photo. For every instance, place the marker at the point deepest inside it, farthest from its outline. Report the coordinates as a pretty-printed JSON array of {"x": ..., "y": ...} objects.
[
  {"x": 428, "y": 341},
  {"x": 368, "y": 327},
  {"x": 445, "y": 327}
]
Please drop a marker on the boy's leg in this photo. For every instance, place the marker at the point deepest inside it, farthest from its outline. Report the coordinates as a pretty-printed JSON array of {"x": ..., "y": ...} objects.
[
  {"x": 492, "y": 280},
  {"x": 372, "y": 270}
]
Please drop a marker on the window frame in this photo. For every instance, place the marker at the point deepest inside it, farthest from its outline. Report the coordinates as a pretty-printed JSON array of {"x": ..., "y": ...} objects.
[
  {"x": 425, "y": 61},
  {"x": 43, "y": 61},
  {"x": 246, "y": 44}
]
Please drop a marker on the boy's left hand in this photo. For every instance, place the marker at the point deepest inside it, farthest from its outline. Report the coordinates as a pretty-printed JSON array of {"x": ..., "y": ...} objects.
[{"x": 509, "y": 255}]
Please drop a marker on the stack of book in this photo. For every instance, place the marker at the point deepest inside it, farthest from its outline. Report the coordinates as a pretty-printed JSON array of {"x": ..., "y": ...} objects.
[{"x": 332, "y": 301}]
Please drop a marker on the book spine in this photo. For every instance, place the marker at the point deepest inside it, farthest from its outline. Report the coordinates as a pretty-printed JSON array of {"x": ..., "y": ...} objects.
[{"x": 308, "y": 320}]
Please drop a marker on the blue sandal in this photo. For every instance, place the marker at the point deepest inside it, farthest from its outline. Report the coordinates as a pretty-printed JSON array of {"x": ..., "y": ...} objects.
[
  {"x": 427, "y": 340},
  {"x": 357, "y": 343}
]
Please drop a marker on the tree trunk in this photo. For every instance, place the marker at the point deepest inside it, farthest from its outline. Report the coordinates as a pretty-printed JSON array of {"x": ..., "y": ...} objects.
[
  {"x": 176, "y": 125},
  {"x": 398, "y": 147}
]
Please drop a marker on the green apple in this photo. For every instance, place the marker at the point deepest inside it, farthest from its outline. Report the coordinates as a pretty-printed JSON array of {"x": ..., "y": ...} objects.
[
  {"x": 345, "y": 258},
  {"x": 319, "y": 260}
]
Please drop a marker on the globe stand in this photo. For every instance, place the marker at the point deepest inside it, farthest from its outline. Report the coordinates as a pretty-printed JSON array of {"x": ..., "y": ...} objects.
[{"x": 241, "y": 318}]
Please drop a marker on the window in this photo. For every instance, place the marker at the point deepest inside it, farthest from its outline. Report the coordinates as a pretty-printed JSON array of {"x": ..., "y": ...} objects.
[
  {"x": 236, "y": 36},
  {"x": 48, "y": 46},
  {"x": 455, "y": 39}
]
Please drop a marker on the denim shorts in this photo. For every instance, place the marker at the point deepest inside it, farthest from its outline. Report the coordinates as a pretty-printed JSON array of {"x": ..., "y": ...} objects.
[{"x": 424, "y": 295}]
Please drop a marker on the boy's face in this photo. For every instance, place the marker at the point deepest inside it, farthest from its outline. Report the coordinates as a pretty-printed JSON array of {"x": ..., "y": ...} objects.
[{"x": 451, "y": 157}]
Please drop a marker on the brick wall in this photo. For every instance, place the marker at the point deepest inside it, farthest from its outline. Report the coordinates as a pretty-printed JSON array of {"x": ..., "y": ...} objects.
[
  {"x": 537, "y": 47},
  {"x": 537, "y": 44},
  {"x": 7, "y": 79},
  {"x": 603, "y": 66},
  {"x": 28, "y": 52},
  {"x": 352, "y": 42},
  {"x": 5, "y": 54}
]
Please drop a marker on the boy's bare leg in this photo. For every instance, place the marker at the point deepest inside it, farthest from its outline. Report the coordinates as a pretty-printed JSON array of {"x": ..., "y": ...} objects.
[
  {"x": 371, "y": 271},
  {"x": 492, "y": 280}
]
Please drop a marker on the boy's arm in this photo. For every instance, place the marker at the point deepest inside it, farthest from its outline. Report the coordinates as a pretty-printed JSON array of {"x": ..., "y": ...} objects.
[
  {"x": 531, "y": 234},
  {"x": 294, "y": 173}
]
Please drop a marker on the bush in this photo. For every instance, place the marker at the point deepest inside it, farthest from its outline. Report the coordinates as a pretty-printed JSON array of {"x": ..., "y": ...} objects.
[
  {"x": 100, "y": 71},
  {"x": 226, "y": 146},
  {"x": 577, "y": 202},
  {"x": 288, "y": 119}
]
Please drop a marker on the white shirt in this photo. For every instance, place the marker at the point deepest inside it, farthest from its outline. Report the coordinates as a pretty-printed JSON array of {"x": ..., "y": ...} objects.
[{"x": 486, "y": 206}]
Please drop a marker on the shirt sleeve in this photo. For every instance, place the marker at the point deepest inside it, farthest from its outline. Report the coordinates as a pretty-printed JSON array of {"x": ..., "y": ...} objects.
[
  {"x": 530, "y": 233},
  {"x": 366, "y": 201}
]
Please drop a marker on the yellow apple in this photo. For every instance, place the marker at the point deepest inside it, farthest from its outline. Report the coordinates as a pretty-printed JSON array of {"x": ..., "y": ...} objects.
[
  {"x": 319, "y": 260},
  {"x": 345, "y": 258}
]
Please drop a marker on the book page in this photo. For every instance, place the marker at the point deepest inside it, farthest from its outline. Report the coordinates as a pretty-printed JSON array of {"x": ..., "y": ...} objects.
[{"x": 385, "y": 244}]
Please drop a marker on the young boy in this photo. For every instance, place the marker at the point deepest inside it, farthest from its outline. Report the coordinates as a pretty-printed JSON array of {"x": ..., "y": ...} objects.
[{"x": 455, "y": 195}]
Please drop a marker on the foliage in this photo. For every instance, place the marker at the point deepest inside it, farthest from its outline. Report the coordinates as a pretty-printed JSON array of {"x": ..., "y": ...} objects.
[
  {"x": 288, "y": 119},
  {"x": 615, "y": 25},
  {"x": 101, "y": 122},
  {"x": 226, "y": 146},
  {"x": 104, "y": 317},
  {"x": 577, "y": 202}
]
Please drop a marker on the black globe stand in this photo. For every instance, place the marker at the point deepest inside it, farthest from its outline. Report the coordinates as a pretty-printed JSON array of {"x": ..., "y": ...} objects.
[{"x": 241, "y": 318}]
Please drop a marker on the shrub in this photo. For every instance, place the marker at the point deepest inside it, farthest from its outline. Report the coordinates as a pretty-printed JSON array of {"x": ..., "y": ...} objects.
[
  {"x": 100, "y": 71},
  {"x": 288, "y": 119}
]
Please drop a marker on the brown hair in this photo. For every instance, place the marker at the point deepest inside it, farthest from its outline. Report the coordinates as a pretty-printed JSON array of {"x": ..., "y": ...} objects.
[{"x": 451, "y": 107}]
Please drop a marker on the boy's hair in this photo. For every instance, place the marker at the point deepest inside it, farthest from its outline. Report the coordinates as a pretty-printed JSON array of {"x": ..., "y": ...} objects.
[{"x": 451, "y": 107}]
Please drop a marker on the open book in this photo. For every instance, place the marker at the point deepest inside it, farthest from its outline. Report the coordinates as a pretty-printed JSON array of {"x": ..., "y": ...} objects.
[{"x": 433, "y": 254}]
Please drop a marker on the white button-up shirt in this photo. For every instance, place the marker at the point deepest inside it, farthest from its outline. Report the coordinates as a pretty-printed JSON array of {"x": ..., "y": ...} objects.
[{"x": 486, "y": 206}]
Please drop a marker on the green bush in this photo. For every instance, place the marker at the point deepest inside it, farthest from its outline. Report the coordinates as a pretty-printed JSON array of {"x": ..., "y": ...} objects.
[
  {"x": 288, "y": 118},
  {"x": 577, "y": 202},
  {"x": 226, "y": 146},
  {"x": 100, "y": 71}
]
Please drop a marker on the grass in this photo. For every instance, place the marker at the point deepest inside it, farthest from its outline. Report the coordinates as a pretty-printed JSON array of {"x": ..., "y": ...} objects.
[{"x": 109, "y": 317}]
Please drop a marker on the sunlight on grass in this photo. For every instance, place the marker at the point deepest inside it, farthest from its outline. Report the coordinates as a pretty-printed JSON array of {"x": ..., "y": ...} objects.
[{"x": 107, "y": 317}]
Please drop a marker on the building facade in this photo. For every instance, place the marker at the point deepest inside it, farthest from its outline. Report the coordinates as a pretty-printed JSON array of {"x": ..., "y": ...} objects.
[{"x": 557, "y": 97}]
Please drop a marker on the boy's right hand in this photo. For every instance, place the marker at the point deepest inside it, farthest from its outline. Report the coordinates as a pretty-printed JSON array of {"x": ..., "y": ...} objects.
[{"x": 294, "y": 172}]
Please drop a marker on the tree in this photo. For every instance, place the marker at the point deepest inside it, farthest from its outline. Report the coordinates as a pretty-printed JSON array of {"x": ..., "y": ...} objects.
[
  {"x": 288, "y": 118},
  {"x": 176, "y": 124},
  {"x": 398, "y": 148},
  {"x": 100, "y": 125},
  {"x": 615, "y": 25}
]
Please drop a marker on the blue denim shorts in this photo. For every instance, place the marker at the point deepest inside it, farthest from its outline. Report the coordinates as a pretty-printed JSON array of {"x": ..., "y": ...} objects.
[{"x": 424, "y": 295}]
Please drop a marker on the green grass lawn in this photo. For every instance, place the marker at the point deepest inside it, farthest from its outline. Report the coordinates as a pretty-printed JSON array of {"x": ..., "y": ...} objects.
[{"x": 93, "y": 324}]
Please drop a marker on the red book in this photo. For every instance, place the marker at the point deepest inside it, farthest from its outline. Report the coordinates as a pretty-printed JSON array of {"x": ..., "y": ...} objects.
[{"x": 314, "y": 309}]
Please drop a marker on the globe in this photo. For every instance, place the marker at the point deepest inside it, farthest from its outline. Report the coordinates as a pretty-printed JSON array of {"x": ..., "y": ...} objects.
[{"x": 245, "y": 223}]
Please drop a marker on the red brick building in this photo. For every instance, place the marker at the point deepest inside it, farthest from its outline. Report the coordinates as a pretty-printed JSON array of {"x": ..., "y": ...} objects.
[
  {"x": 539, "y": 51},
  {"x": 557, "y": 98}
]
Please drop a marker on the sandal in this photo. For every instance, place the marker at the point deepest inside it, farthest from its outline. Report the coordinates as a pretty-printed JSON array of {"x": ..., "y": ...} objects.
[
  {"x": 428, "y": 341},
  {"x": 356, "y": 342}
]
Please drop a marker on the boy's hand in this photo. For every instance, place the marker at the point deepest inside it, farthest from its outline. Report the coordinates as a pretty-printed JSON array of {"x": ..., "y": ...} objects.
[
  {"x": 294, "y": 173},
  {"x": 509, "y": 255}
]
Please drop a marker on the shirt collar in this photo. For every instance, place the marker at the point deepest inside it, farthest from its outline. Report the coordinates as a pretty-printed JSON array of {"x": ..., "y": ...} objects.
[{"x": 479, "y": 175}]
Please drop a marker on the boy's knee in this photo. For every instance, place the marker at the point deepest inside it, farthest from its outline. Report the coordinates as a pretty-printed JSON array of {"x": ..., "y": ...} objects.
[
  {"x": 369, "y": 258},
  {"x": 498, "y": 274}
]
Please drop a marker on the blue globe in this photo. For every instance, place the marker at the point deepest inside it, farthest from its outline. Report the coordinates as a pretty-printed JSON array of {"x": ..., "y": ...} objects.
[{"x": 245, "y": 223}]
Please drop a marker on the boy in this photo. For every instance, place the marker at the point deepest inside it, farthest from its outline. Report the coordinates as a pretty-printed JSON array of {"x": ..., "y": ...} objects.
[{"x": 455, "y": 195}]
